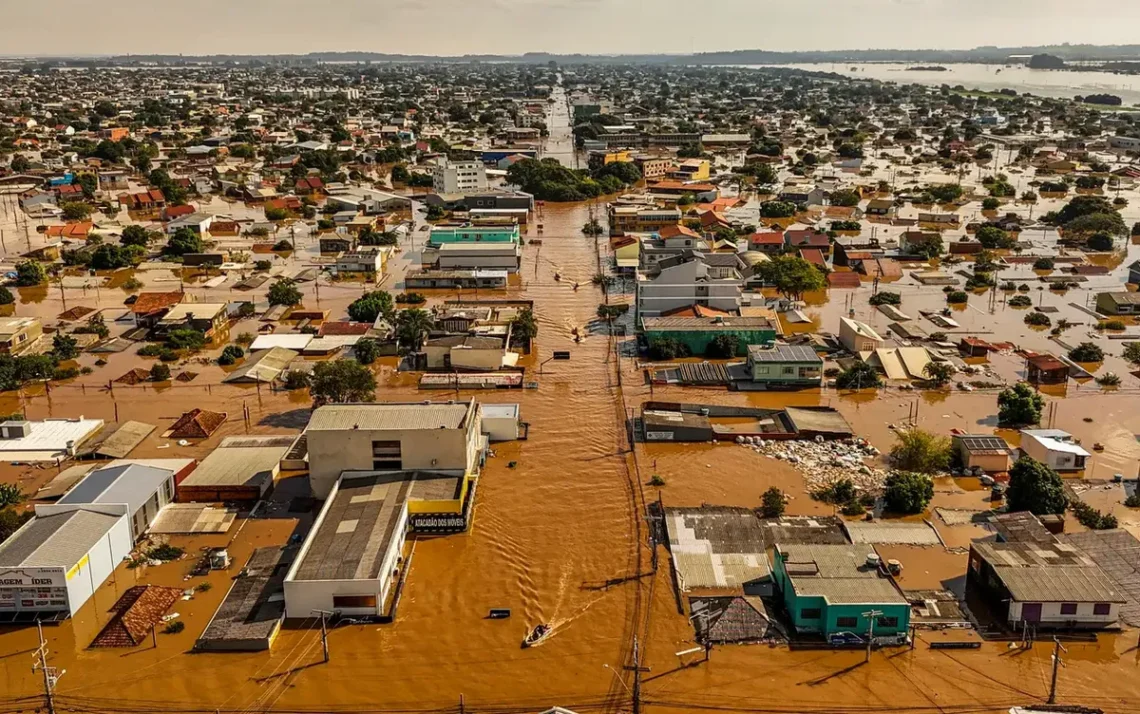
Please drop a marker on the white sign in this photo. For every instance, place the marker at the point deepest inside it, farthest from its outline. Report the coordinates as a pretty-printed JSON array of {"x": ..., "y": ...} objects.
[{"x": 32, "y": 578}]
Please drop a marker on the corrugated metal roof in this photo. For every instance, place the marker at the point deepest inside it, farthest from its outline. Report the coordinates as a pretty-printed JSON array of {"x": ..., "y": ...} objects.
[
  {"x": 402, "y": 416},
  {"x": 131, "y": 484},
  {"x": 236, "y": 466},
  {"x": 57, "y": 540},
  {"x": 1062, "y": 583},
  {"x": 892, "y": 533},
  {"x": 265, "y": 366}
]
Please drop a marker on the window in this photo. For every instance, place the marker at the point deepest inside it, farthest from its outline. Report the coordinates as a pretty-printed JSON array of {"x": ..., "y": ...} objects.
[
  {"x": 1102, "y": 608},
  {"x": 1068, "y": 608},
  {"x": 789, "y": 370},
  {"x": 846, "y": 621},
  {"x": 761, "y": 369},
  {"x": 386, "y": 456},
  {"x": 887, "y": 622},
  {"x": 811, "y": 613},
  {"x": 168, "y": 490},
  {"x": 354, "y": 601}
]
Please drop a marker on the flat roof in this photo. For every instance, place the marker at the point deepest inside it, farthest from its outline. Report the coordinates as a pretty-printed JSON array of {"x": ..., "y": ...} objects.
[
  {"x": 717, "y": 547},
  {"x": 58, "y": 540},
  {"x": 392, "y": 416},
  {"x": 706, "y": 324},
  {"x": 236, "y": 466},
  {"x": 50, "y": 437},
  {"x": 132, "y": 484},
  {"x": 356, "y": 526},
  {"x": 783, "y": 353},
  {"x": 500, "y": 411},
  {"x": 982, "y": 444},
  {"x": 838, "y": 573},
  {"x": 201, "y": 310}
]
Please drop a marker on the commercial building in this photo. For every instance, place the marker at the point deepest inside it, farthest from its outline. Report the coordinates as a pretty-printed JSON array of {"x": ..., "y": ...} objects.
[
  {"x": 639, "y": 219},
  {"x": 430, "y": 279},
  {"x": 691, "y": 170},
  {"x": 684, "y": 282},
  {"x": 472, "y": 353},
  {"x": 1055, "y": 448},
  {"x": 474, "y": 256},
  {"x": 459, "y": 177},
  {"x": 719, "y": 548},
  {"x": 698, "y": 333},
  {"x": 441, "y": 235},
  {"x": 652, "y": 166},
  {"x": 832, "y": 589},
  {"x": 18, "y": 333},
  {"x": 47, "y": 440},
  {"x": 779, "y": 365},
  {"x": 143, "y": 490},
  {"x": 501, "y": 422},
  {"x": 242, "y": 468},
  {"x": 440, "y": 437}
]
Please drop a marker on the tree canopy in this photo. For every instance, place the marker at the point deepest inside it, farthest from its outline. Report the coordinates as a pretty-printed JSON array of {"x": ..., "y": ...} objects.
[
  {"x": 1036, "y": 488},
  {"x": 370, "y": 306},
  {"x": 342, "y": 381},
  {"x": 907, "y": 492},
  {"x": 284, "y": 292},
  {"x": 792, "y": 276},
  {"x": 1019, "y": 405}
]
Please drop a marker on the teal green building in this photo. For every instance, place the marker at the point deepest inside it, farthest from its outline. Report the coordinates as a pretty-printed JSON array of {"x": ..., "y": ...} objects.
[
  {"x": 698, "y": 332},
  {"x": 474, "y": 234},
  {"x": 828, "y": 589}
]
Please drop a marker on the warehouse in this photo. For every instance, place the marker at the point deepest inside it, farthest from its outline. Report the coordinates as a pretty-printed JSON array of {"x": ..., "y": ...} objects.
[
  {"x": 56, "y": 561},
  {"x": 242, "y": 468},
  {"x": 144, "y": 490}
]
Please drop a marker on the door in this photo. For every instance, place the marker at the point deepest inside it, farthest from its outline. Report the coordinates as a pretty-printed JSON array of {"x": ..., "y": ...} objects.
[{"x": 1031, "y": 612}]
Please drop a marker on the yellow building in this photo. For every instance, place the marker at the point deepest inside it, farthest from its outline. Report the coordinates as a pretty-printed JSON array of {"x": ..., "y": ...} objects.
[
  {"x": 692, "y": 170},
  {"x": 627, "y": 251},
  {"x": 639, "y": 219},
  {"x": 602, "y": 158},
  {"x": 18, "y": 333}
]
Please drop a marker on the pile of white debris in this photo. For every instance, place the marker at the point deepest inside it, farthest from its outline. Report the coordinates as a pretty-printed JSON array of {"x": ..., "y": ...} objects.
[{"x": 822, "y": 463}]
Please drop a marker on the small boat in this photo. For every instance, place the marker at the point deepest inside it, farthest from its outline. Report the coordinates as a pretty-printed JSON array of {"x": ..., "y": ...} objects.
[
  {"x": 557, "y": 277},
  {"x": 538, "y": 634}
]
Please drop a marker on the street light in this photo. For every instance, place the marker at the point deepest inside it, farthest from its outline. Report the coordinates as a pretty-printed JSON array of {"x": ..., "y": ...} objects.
[{"x": 619, "y": 679}]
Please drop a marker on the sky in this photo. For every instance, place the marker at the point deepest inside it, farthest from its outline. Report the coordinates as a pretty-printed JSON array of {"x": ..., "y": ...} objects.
[{"x": 457, "y": 27}]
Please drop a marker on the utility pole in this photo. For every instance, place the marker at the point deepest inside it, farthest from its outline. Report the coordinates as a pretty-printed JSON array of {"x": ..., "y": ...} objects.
[
  {"x": 324, "y": 632},
  {"x": 1057, "y": 650},
  {"x": 637, "y": 670},
  {"x": 51, "y": 675},
  {"x": 871, "y": 615}
]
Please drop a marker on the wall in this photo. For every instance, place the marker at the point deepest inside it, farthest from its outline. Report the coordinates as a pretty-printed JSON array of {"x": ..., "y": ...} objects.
[
  {"x": 699, "y": 340},
  {"x": 478, "y": 360},
  {"x": 101, "y": 561},
  {"x": 1051, "y": 614},
  {"x": 774, "y": 372}
]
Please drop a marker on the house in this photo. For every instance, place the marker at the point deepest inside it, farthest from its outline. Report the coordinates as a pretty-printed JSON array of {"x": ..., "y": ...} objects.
[
  {"x": 472, "y": 353},
  {"x": 686, "y": 281},
  {"x": 1118, "y": 303},
  {"x": 982, "y": 452},
  {"x": 146, "y": 201},
  {"x": 1043, "y": 585},
  {"x": 858, "y": 337},
  {"x": 1046, "y": 369},
  {"x": 200, "y": 316},
  {"x": 308, "y": 185},
  {"x": 1134, "y": 272},
  {"x": 474, "y": 234},
  {"x": 917, "y": 242},
  {"x": 834, "y": 589},
  {"x": 652, "y": 166},
  {"x": 1055, "y": 448},
  {"x": 240, "y": 469},
  {"x": 474, "y": 256},
  {"x": 331, "y": 244},
  {"x": 430, "y": 279},
  {"x": 943, "y": 219},
  {"x": 196, "y": 222},
  {"x": 698, "y": 333},
  {"x": 881, "y": 207},
  {"x": 807, "y": 238},
  {"x": 769, "y": 242},
  {"x": 803, "y": 196},
  {"x": 627, "y": 252},
  {"x": 781, "y": 365},
  {"x": 19, "y": 333},
  {"x": 149, "y": 308},
  {"x": 364, "y": 259}
]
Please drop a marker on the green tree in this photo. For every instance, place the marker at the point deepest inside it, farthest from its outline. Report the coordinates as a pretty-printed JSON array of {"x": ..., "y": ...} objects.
[
  {"x": 342, "y": 381},
  {"x": 366, "y": 350},
  {"x": 859, "y": 376},
  {"x": 920, "y": 451},
  {"x": 230, "y": 355},
  {"x": 524, "y": 327},
  {"x": 907, "y": 492},
  {"x": 772, "y": 503},
  {"x": 75, "y": 210},
  {"x": 992, "y": 237},
  {"x": 284, "y": 291},
  {"x": 184, "y": 241},
  {"x": 885, "y": 297},
  {"x": 1087, "y": 352},
  {"x": 1036, "y": 488},
  {"x": 89, "y": 184},
  {"x": 991, "y": 204},
  {"x": 20, "y": 164},
  {"x": 64, "y": 347},
  {"x": 159, "y": 372},
  {"x": 777, "y": 209},
  {"x": 185, "y": 339},
  {"x": 370, "y": 306},
  {"x": 411, "y": 327},
  {"x": 1101, "y": 242},
  {"x": 939, "y": 373},
  {"x": 845, "y": 198},
  {"x": 1019, "y": 405},
  {"x": 6, "y": 296},
  {"x": 723, "y": 347},
  {"x": 275, "y": 214},
  {"x": 135, "y": 235},
  {"x": 109, "y": 257},
  {"x": 792, "y": 276},
  {"x": 29, "y": 273}
]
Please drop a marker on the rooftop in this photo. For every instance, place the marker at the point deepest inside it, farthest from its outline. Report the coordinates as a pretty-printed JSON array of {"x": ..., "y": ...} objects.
[
  {"x": 838, "y": 573},
  {"x": 237, "y": 466},
  {"x": 982, "y": 444},
  {"x": 706, "y": 324},
  {"x": 56, "y": 540},
  {"x": 783, "y": 353},
  {"x": 393, "y": 416},
  {"x": 716, "y": 547},
  {"x": 1047, "y": 572},
  {"x": 132, "y": 484}
]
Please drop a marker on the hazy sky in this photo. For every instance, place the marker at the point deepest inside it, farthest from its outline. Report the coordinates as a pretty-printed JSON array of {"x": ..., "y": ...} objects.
[{"x": 456, "y": 27}]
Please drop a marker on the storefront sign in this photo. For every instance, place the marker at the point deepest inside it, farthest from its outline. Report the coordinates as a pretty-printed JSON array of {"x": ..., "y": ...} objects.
[
  {"x": 25, "y": 578},
  {"x": 438, "y": 522}
]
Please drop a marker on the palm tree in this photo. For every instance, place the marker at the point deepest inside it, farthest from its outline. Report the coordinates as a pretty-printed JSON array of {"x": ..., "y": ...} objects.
[{"x": 411, "y": 326}]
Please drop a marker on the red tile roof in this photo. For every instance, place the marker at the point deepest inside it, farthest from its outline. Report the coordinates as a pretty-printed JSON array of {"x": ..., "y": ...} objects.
[
  {"x": 196, "y": 424},
  {"x": 70, "y": 230},
  {"x": 767, "y": 238},
  {"x": 813, "y": 255},
  {"x": 344, "y": 328},
  {"x": 147, "y": 303},
  {"x": 842, "y": 280},
  {"x": 137, "y": 612}
]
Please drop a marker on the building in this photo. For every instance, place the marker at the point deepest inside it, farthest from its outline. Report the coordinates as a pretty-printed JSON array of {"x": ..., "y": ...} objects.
[
  {"x": 639, "y": 219},
  {"x": 242, "y": 468},
  {"x": 833, "y": 589},
  {"x": 684, "y": 282},
  {"x": 1046, "y": 369},
  {"x": 149, "y": 308},
  {"x": 803, "y": 195},
  {"x": 18, "y": 333},
  {"x": 983, "y": 452},
  {"x": 197, "y": 222},
  {"x": 1043, "y": 585},
  {"x": 719, "y": 548},
  {"x": 882, "y": 207},
  {"x": 57, "y": 560},
  {"x": 1054, "y": 448},
  {"x": 431, "y": 279},
  {"x": 598, "y": 159},
  {"x": 780, "y": 365},
  {"x": 652, "y": 166},
  {"x": 627, "y": 252},
  {"x": 47, "y": 440},
  {"x": 143, "y": 490},
  {"x": 474, "y": 256},
  {"x": 1118, "y": 303},
  {"x": 441, "y": 235},
  {"x": 459, "y": 177},
  {"x": 501, "y": 422},
  {"x": 918, "y": 242},
  {"x": 697, "y": 333},
  {"x": 858, "y": 337},
  {"x": 472, "y": 353},
  {"x": 363, "y": 259},
  {"x": 691, "y": 170},
  {"x": 205, "y": 317},
  {"x": 438, "y": 437}
]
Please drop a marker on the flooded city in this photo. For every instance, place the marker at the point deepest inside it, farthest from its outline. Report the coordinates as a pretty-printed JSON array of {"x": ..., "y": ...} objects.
[{"x": 634, "y": 494}]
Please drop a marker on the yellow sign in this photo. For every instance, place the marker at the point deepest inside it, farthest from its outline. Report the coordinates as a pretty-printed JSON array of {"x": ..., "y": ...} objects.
[{"x": 78, "y": 566}]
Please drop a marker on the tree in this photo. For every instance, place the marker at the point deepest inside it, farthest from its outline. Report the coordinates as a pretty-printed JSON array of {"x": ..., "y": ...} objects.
[
  {"x": 920, "y": 451},
  {"x": 230, "y": 355},
  {"x": 75, "y": 210},
  {"x": 275, "y": 214},
  {"x": 184, "y": 241},
  {"x": 1087, "y": 352},
  {"x": 366, "y": 350},
  {"x": 885, "y": 297},
  {"x": 400, "y": 174},
  {"x": 777, "y": 209},
  {"x": 845, "y": 198},
  {"x": 990, "y": 204},
  {"x": 1036, "y": 488},
  {"x": 135, "y": 235},
  {"x": 411, "y": 326},
  {"x": 159, "y": 372},
  {"x": 939, "y": 373},
  {"x": 723, "y": 347},
  {"x": 524, "y": 327},
  {"x": 342, "y": 381},
  {"x": 109, "y": 257},
  {"x": 859, "y": 376},
  {"x": 992, "y": 237},
  {"x": 186, "y": 338},
  {"x": 370, "y": 306},
  {"x": 1043, "y": 264},
  {"x": 945, "y": 193},
  {"x": 667, "y": 348},
  {"x": 1019, "y": 405},
  {"x": 64, "y": 347},
  {"x": 1131, "y": 352},
  {"x": 764, "y": 174},
  {"x": 792, "y": 276},
  {"x": 6, "y": 296},
  {"x": 284, "y": 291},
  {"x": 20, "y": 164},
  {"x": 30, "y": 273},
  {"x": 907, "y": 492},
  {"x": 772, "y": 503},
  {"x": 1101, "y": 242}
]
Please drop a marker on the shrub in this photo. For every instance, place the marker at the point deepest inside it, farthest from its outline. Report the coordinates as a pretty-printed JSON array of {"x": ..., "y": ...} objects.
[
  {"x": 151, "y": 350},
  {"x": 656, "y": 480},
  {"x": 411, "y": 299},
  {"x": 772, "y": 503},
  {"x": 10, "y": 495},
  {"x": 980, "y": 280},
  {"x": 837, "y": 493},
  {"x": 667, "y": 348},
  {"x": 1020, "y": 301},
  {"x": 6, "y": 296},
  {"x": 1043, "y": 264},
  {"x": 886, "y": 297},
  {"x": 231, "y": 354},
  {"x": 366, "y": 350},
  {"x": 132, "y": 283},
  {"x": 64, "y": 373},
  {"x": 723, "y": 347},
  {"x": 908, "y": 492},
  {"x": 957, "y": 297},
  {"x": 165, "y": 552},
  {"x": 920, "y": 451},
  {"x": 990, "y": 204},
  {"x": 174, "y": 627},
  {"x": 1086, "y": 352},
  {"x": 1133, "y": 501},
  {"x": 30, "y": 273},
  {"x": 186, "y": 339},
  {"x": 295, "y": 379},
  {"x": 244, "y": 339},
  {"x": 1111, "y": 325},
  {"x": 1093, "y": 519},
  {"x": 1108, "y": 379},
  {"x": 159, "y": 372},
  {"x": 859, "y": 376},
  {"x": 1038, "y": 319},
  {"x": 1019, "y": 405}
]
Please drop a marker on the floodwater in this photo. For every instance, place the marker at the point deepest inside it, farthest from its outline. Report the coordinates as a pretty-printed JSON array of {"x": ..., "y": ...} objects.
[
  {"x": 558, "y": 538},
  {"x": 1059, "y": 84}
]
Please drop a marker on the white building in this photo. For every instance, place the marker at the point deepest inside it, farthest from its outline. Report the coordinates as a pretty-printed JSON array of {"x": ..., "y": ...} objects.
[
  {"x": 1054, "y": 448},
  {"x": 858, "y": 336},
  {"x": 501, "y": 422},
  {"x": 686, "y": 282},
  {"x": 47, "y": 440},
  {"x": 459, "y": 177},
  {"x": 143, "y": 490}
]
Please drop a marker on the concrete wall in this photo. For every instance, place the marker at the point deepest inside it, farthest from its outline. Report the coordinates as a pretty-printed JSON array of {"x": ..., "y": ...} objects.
[
  {"x": 1051, "y": 614},
  {"x": 476, "y": 360},
  {"x": 112, "y": 548}
]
